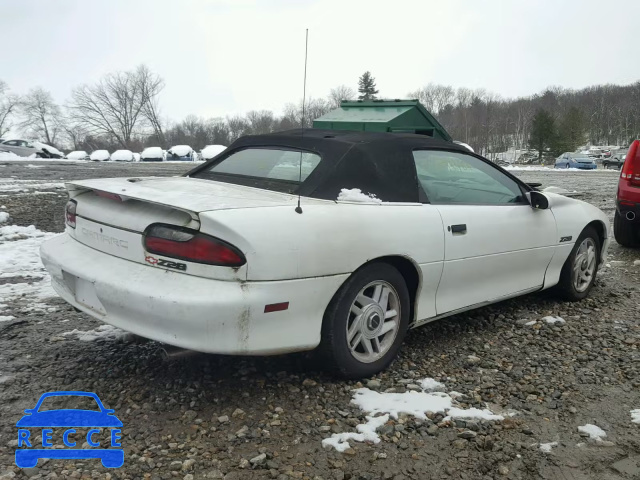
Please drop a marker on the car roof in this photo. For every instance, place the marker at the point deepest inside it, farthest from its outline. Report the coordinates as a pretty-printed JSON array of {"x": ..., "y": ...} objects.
[{"x": 378, "y": 163}]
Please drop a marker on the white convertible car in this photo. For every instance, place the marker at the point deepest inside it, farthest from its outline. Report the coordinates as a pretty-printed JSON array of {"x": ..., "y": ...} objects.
[{"x": 391, "y": 231}]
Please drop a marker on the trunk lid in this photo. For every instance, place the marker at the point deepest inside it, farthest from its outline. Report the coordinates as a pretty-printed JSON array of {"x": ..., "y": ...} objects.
[
  {"x": 187, "y": 194},
  {"x": 113, "y": 213}
]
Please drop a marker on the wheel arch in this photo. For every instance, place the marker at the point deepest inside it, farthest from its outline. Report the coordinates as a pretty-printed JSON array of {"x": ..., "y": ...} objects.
[
  {"x": 411, "y": 273},
  {"x": 601, "y": 230}
]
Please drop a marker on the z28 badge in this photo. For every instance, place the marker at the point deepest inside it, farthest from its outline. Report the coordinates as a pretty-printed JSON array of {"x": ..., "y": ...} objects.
[{"x": 161, "y": 262}]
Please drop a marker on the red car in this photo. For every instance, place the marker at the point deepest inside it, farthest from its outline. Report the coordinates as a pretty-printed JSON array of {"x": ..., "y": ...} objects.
[{"x": 626, "y": 222}]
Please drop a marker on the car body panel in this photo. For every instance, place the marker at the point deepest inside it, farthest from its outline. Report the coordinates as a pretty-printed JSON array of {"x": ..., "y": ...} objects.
[{"x": 512, "y": 244}]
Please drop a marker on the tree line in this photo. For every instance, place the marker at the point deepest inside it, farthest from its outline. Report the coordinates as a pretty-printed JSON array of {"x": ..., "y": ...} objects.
[{"x": 122, "y": 110}]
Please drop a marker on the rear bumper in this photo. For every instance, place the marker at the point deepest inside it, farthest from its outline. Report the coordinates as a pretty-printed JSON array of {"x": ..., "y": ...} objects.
[
  {"x": 191, "y": 312},
  {"x": 629, "y": 213}
]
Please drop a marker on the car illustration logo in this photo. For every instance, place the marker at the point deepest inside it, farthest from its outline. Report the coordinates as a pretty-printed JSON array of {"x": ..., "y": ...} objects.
[{"x": 97, "y": 422}]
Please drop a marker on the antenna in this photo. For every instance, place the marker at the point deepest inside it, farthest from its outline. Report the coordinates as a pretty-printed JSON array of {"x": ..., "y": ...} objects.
[{"x": 304, "y": 98}]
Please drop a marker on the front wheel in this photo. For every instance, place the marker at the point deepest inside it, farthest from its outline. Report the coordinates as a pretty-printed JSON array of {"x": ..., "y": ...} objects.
[
  {"x": 580, "y": 270},
  {"x": 366, "y": 321}
]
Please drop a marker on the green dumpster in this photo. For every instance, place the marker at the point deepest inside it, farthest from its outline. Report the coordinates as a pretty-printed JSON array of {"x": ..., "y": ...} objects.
[{"x": 400, "y": 116}]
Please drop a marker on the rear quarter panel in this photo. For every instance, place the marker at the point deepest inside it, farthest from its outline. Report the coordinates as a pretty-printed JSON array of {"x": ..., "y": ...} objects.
[{"x": 330, "y": 239}]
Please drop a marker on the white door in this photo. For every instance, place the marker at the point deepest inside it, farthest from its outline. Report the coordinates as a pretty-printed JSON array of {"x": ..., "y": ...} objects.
[{"x": 496, "y": 245}]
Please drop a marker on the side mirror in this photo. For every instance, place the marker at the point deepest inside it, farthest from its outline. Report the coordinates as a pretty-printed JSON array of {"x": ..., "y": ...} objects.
[{"x": 538, "y": 200}]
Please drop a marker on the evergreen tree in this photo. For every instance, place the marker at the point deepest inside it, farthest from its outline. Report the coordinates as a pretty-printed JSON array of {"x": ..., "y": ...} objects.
[
  {"x": 571, "y": 132},
  {"x": 543, "y": 132},
  {"x": 367, "y": 87}
]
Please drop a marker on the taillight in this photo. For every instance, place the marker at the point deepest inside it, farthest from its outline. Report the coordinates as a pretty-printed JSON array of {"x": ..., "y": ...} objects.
[
  {"x": 631, "y": 167},
  {"x": 70, "y": 213},
  {"x": 191, "y": 245}
]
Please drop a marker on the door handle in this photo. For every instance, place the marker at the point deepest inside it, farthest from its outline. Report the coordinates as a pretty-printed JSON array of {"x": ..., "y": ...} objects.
[{"x": 459, "y": 229}]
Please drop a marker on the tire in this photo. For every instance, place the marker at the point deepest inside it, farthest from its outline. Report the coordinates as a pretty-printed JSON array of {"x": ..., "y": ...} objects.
[
  {"x": 567, "y": 287},
  {"x": 625, "y": 232},
  {"x": 342, "y": 313}
]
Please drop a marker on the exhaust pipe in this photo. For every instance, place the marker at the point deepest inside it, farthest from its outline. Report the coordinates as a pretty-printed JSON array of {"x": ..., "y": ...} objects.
[
  {"x": 169, "y": 352},
  {"x": 631, "y": 216}
]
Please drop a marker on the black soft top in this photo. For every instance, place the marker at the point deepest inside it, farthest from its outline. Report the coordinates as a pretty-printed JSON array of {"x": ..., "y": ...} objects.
[{"x": 377, "y": 163}]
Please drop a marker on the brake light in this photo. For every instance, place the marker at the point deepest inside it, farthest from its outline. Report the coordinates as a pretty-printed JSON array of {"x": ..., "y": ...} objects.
[
  {"x": 631, "y": 167},
  {"x": 191, "y": 245},
  {"x": 109, "y": 195},
  {"x": 70, "y": 213}
]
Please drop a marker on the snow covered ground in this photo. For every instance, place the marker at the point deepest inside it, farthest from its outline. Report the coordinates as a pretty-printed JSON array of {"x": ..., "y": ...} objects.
[
  {"x": 379, "y": 407},
  {"x": 20, "y": 267}
]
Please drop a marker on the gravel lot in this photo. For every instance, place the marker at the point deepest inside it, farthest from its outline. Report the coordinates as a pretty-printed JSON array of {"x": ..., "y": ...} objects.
[{"x": 208, "y": 416}]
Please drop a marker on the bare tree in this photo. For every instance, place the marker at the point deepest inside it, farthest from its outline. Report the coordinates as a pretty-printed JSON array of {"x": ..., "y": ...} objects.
[
  {"x": 341, "y": 92},
  {"x": 41, "y": 116},
  {"x": 117, "y": 104},
  {"x": 8, "y": 106},
  {"x": 261, "y": 121},
  {"x": 151, "y": 85}
]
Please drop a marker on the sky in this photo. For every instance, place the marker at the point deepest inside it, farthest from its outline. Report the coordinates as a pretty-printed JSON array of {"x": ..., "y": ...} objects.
[{"x": 226, "y": 57}]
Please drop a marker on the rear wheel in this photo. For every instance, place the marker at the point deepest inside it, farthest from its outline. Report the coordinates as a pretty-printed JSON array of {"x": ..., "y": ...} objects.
[
  {"x": 580, "y": 270},
  {"x": 625, "y": 232},
  {"x": 366, "y": 321}
]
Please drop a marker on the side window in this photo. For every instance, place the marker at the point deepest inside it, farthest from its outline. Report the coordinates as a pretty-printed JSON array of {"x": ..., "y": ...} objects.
[
  {"x": 457, "y": 178},
  {"x": 13, "y": 143}
]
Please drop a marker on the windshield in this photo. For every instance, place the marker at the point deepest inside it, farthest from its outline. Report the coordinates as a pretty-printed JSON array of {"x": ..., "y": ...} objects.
[{"x": 272, "y": 165}]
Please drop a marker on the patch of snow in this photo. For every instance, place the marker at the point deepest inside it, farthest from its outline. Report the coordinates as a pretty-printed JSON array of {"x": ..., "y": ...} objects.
[
  {"x": 14, "y": 185},
  {"x": 31, "y": 165},
  {"x": 152, "y": 152},
  {"x": 180, "y": 150},
  {"x": 77, "y": 155},
  {"x": 594, "y": 432},
  {"x": 551, "y": 319},
  {"x": 546, "y": 447},
  {"x": 136, "y": 157},
  {"x": 465, "y": 145},
  {"x": 430, "y": 385},
  {"x": 6, "y": 318},
  {"x": 20, "y": 257},
  {"x": 636, "y": 263},
  {"x": 122, "y": 156},
  {"x": 99, "y": 155},
  {"x": 4, "y": 217},
  {"x": 103, "y": 331},
  {"x": 356, "y": 195},
  {"x": 211, "y": 151},
  {"x": 380, "y": 406},
  {"x": 48, "y": 148},
  {"x": 635, "y": 415},
  {"x": 8, "y": 156},
  {"x": 532, "y": 322}
]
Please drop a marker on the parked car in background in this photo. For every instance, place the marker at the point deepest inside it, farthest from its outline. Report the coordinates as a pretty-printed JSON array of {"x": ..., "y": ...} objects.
[
  {"x": 122, "y": 156},
  {"x": 230, "y": 238},
  {"x": 575, "y": 160},
  {"x": 152, "y": 154},
  {"x": 136, "y": 157},
  {"x": 78, "y": 155},
  {"x": 26, "y": 148},
  {"x": 599, "y": 153},
  {"x": 616, "y": 160},
  {"x": 182, "y": 153},
  {"x": 626, "y": 220},
  {"x": 100, "y": 155},
  {"x": 210, "y": 151}
]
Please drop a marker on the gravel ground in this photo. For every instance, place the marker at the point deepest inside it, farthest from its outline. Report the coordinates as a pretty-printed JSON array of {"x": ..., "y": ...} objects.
[{"x": 208, "y": 416}]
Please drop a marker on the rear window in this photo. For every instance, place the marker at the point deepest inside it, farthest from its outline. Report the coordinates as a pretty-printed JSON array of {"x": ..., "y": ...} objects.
[{"x": 267, "y": 166}]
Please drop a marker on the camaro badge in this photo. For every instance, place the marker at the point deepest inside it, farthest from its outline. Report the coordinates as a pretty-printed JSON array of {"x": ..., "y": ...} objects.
[
  {"x": 565, "y": 239},
  {"x": 161, "y": 262}
]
